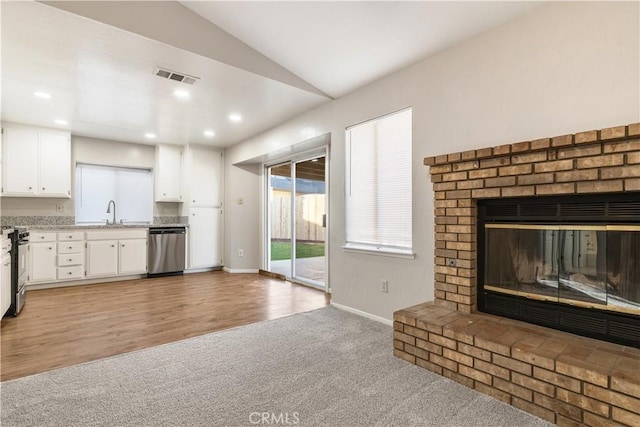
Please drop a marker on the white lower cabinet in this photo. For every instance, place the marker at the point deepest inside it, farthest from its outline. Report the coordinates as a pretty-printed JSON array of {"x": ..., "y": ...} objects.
[
  {"x": 116, "y": 253},
  {"x": 102, "y": 258},
  {"x": 205, "y": 237},
  {"x": 42, "y": 262},
  {"x": 70, "y": 259},
  {"x": 5, "y": 279},
  {"x": 64, "y": 256},
  {"x": 132, "y": 256},
  {"x": 55, "y": 256}
]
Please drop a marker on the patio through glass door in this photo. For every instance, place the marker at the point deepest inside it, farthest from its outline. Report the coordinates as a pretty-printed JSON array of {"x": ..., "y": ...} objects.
[{"x": 296, "y": 220}]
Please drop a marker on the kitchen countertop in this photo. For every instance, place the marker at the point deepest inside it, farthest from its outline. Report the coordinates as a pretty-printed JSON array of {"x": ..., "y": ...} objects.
[{"x": 100, "y": 226}]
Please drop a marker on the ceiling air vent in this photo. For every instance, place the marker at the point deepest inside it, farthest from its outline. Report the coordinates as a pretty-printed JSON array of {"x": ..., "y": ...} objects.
[{"x": 178, "y": 77}]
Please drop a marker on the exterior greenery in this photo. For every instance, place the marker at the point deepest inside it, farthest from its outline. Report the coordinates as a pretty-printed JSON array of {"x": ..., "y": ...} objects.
[{"x": 282, "y": 250}]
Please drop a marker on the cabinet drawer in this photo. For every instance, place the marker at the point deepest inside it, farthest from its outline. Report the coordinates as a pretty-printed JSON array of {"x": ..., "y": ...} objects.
[
  {"x": 70, "y": 247},
  {"x": 35, "y": 237},
  {"x": 69, "y": 259},
  {"x": 72, "y": 235},
  {"x": 136, "y": 233},
  {"x": 70, "y": 272}
]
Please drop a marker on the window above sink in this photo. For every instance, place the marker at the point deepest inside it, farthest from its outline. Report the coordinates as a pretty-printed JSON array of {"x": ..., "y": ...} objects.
[{"x": 130, "y": 188}]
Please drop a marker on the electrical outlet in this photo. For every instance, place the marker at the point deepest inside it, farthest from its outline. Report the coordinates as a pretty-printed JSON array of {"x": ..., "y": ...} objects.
[
  {"x": 385, "y": 286},
  {"x": 240, "y": 252},
  {"x": 240, "y": 201},
  {"x": 60, "y": 207}
]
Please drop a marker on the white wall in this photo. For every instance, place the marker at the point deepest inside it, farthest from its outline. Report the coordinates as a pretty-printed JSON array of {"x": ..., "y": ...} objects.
[
  {"x": 112, "y": 153},
  {"x": 564, "y": 68},
  {"x": 243, "y": 231}
]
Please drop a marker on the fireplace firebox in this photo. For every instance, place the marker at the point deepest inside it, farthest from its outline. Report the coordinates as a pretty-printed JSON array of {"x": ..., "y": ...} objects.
[{"x": 567, "y": 262}]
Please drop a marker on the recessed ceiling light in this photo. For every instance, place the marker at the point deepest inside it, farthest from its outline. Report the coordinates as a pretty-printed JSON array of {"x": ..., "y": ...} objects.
[
  {"x": 235, "y": 118},
  {"x": 209, "y": 133},
  {"x": 181, "y": 93},
  {"x": 61, "y": 122},
  {"x": 42, "y": 95},
  {"x": 150, "y": 135}
]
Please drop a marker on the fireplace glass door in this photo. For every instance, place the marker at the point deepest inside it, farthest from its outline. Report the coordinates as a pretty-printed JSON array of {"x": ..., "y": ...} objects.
[
  {"x": 623, "y": 268},
  {"x": 581, "y": 265}
]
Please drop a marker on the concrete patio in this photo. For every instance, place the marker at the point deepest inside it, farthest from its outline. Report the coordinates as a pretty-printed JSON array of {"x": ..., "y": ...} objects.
[{"x": 312, "y": 268}]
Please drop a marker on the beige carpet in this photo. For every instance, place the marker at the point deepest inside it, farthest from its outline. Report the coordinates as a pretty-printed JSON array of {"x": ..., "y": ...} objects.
[{"x": 321, "y": 368}]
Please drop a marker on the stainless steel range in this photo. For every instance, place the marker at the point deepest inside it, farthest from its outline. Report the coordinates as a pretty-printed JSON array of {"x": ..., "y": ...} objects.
[{"x": 19, "y": 242}]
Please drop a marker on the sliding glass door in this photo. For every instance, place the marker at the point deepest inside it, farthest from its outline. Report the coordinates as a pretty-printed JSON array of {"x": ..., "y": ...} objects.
[
  {"x": 309, "y": 217},
  {"x": 296, "y": 220},
  {"x": 280, "y": 189}
]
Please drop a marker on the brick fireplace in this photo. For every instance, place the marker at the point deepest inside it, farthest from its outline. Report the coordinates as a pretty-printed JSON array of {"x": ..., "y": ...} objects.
[{"x": 561, "y": 377}]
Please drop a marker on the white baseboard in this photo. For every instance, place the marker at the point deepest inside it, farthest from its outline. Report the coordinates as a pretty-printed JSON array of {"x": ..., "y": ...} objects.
[
  {"x": 240, "y": 270},
  {"x": 50, "y": 285},
  {"x": 202, "y": 270},
  {"x": 362, "y": 313}
]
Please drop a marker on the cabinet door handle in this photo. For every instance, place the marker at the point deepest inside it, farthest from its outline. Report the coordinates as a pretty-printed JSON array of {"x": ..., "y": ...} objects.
[
  {"x": 30, "y": 188},
  {"x": 113, "y": 246},
  {"x": 123, "y": 245},
  {"x": 164, "y": 194},
  {"x": 50, "y": 248},
  {"x": 43, "y": 188},
  {"x": 70, "y": 259},
  {"x": 70, "y": 247},
  {"x": 70, "y": 237},
  {"x": 70, "y": 272},
  {"x": 42, "y": 237},
  {"x": 194, "y": 201}
]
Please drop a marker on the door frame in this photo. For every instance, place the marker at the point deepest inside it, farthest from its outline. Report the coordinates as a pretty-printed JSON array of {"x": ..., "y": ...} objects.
[
  {"x": 266, "y": 219},
  {"x": 322, "y": 151}
]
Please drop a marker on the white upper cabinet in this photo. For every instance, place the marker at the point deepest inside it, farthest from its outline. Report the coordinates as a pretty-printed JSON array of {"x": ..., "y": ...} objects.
[
  {"x": 55, "y": 163},
  {"x": 205, "y": 177},
  {"x": 20, "y": 162},
  {"x": 36, "y": 163},
  {"x": 168, "y": 173}
]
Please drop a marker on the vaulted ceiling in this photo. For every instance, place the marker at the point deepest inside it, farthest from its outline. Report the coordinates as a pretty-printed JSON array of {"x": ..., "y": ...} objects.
[{"x": 264, "y": 61}]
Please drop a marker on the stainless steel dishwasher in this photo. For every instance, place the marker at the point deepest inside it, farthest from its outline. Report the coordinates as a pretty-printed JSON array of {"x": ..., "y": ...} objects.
[{"x": 166, "y": 251}]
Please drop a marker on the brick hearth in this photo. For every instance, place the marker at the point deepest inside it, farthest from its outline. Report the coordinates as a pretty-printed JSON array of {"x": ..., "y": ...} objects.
[{"x": 563, "y": 378}]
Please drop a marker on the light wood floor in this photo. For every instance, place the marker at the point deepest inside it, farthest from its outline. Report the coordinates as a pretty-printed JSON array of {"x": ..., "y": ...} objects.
[{"x": 66, "y": 326}]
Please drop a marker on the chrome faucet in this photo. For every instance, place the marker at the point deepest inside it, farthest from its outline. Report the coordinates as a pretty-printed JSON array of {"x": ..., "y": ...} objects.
[{"x": 114, "y": 211}]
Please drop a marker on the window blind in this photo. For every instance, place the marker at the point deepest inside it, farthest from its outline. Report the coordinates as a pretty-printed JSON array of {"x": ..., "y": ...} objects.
[
  {"x": 378, "y": 180},
  {"x": 131, "y": 189}
]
